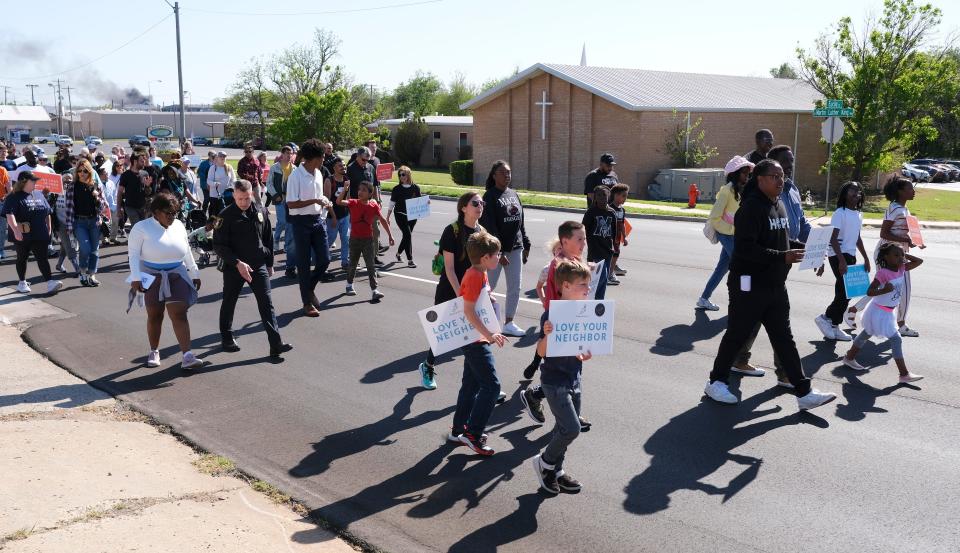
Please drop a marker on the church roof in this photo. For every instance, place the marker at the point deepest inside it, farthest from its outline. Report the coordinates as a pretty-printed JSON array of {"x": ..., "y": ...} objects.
[{"x": 643, "y": 90}]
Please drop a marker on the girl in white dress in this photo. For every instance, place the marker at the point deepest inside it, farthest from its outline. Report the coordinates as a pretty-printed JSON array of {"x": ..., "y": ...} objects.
[{"x": 879, "y": 319}]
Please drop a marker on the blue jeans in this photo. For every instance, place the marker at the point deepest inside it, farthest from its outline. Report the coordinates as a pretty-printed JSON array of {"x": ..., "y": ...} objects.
[
  {"x": 726, "y": 254},
  {"x": 341, "y": 229},
  {"x": 602, "y": 285},
  {"x": 87, "y": 232},
  {"x": 310, "y": 237},
  {"x": 478, "y": 389},
  {"x": 285, "y": 228}
]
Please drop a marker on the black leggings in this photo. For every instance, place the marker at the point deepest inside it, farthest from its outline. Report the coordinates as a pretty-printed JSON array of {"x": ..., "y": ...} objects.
[
  {"x": 838, "y": 306},
  {"x": 406, "y": 229},
  {"x": 39, "y": 249}
]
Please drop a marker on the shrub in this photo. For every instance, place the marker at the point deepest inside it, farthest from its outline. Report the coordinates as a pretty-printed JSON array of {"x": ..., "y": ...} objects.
[{"x": 462, "y": 172}]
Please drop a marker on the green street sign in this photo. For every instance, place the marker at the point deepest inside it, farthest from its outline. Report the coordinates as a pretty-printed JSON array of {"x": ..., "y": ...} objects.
[
  {"x": 834, "y": 104},
  {"x": 833, "y": 112}
]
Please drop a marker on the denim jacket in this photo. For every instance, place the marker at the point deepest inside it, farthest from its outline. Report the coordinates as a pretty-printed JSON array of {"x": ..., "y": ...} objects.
[{"x": 799, "y": 227}]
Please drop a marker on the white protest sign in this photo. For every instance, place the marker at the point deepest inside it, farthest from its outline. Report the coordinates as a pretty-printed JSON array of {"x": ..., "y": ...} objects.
[
  {"x": 816, "y": 249},
  {"x": 418, "y": 208},
  {"x": 20, "y": 161},
  {"x": 194, "y": 160},
  {"x": 595, "y": 278},
  {"x": 580, "y": 327},
  {"x": 446, "y": 325}
]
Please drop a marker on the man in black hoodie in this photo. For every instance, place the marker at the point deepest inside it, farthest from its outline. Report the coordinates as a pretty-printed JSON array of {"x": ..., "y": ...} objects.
[{"x": 762, "y": 256}]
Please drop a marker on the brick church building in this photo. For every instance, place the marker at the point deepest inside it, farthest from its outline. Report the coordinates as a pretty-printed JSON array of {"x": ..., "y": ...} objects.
[{"x": 551, "y": 122}]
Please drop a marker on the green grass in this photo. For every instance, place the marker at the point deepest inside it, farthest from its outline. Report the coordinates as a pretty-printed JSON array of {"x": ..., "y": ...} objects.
[{"x": 929, "y": 205}]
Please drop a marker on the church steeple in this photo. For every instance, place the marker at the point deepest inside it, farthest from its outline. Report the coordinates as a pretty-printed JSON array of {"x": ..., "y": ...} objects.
[{"x": 583, "y": 55}]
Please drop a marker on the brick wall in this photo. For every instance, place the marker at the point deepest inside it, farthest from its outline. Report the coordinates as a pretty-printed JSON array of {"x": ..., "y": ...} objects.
[{"x": 581, "y": 126}]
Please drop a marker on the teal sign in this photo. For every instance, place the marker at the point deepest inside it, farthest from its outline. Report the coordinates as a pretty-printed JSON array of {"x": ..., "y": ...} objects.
[
  {"x": 834, "y": 109},
  {"x": 160, "y": 131}
]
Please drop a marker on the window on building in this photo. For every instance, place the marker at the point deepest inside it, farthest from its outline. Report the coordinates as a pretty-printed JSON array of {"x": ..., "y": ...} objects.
[{"x": 463, "y": 139}]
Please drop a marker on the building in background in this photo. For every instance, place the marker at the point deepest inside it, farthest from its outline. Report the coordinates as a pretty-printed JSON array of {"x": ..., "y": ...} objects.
[
  {"x": 551, "y": 122},
  {"x": 451, "y": 137},
  {"x": 114, "y": 124},
  {"x": 22, "y": 123}
]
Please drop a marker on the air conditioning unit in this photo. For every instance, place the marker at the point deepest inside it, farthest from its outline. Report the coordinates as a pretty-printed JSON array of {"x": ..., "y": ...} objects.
[{"x": 674, "y": 184}]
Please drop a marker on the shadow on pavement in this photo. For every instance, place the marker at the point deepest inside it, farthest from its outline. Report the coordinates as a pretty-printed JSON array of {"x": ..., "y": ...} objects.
[
  {"x": 680, "y": 338},
  {"x": 515, "y": 526},
  {"x": 697, "y": 443}
]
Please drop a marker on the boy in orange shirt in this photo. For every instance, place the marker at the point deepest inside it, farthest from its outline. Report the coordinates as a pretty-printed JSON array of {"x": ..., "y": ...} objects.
[{"x": 480, "y": 386}]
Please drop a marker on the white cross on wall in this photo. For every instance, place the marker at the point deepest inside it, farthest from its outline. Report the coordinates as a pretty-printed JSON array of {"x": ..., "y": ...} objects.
[{"x": 543, "y": 116}]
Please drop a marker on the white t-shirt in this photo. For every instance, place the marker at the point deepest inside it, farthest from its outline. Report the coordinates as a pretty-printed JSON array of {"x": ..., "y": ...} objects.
[
  {"x": 898, "y": 215},
  {"x": 219, "y": 179},
  {"x": 303, "y": 186},
  {"x": 149, "y": 241},
  {"x": 848, "y": 222}
]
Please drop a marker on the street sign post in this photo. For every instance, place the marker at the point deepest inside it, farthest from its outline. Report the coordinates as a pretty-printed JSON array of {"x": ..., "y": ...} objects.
[{"x": 832, "y": 131}]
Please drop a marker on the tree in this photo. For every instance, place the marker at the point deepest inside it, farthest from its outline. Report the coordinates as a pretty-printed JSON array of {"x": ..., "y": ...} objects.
[
  {"x": 299, "y": 69},
  {"x": 946, "y": 119},
  {"x": 490, "y": 83},
  {"x": 417, "y": 96},
  {"x": 331, "y": 116},
  {"x": 785, "y": 71},
  {"x": 251, "y": 100},
  {"x": 411, "y": 137},
  {"x": 883, "y": 73},
  {"x": 687, "y": 146},
  {"x": 457, "y": 93}
]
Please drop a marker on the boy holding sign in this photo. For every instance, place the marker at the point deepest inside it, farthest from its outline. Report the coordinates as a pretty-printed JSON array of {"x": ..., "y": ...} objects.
[
  {"x": 560, "y": 380},
  {"x": 480, "y": 387}
]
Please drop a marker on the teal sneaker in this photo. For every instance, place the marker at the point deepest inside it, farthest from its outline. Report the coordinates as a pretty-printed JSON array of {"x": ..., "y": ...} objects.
[{"x": 427, "y": 377}]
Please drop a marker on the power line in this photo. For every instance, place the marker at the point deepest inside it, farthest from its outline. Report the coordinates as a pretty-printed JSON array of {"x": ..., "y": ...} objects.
[
  {"x": 94, "y": 60},
  {"x": 329, "y": 12}
]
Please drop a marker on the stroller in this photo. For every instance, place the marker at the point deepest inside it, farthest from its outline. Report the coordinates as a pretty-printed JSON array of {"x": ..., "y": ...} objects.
[{"x": 200, "y": 237}]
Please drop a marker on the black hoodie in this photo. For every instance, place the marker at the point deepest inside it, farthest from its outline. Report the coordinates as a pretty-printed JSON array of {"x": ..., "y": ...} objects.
[
  {"x": 760, "y": 240},
  {"x": 503, "y": 217}
]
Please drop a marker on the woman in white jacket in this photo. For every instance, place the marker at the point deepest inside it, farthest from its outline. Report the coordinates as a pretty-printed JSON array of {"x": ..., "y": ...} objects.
[
  {"x": 220, "y": 178},
  {"x": 725, "y": 206}
]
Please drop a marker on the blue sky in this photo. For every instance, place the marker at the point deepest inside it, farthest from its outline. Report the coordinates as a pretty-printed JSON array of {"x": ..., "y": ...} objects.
[{"x": 385, "y": 46}]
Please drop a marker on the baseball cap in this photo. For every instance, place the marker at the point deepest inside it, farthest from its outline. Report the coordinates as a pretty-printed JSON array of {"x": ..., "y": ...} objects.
[
  {"x": 27, "y": 175},
  {"x": 735, "y": 164},
  {"x": 221, "y": 153},
  {"x": 608, "y": 159}
]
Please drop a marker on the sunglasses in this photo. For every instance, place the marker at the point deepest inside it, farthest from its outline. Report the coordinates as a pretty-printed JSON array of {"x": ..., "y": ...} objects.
[
  {"x": 403, "y": 173},
  {"x": 478, "y": 203}
]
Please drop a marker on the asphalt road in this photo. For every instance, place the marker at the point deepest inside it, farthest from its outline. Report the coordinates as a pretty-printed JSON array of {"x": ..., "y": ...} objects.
[{"x": 344, "y": 425}]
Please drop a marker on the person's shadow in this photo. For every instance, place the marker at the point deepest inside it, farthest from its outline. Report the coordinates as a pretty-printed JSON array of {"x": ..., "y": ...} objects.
[
  {"x": 697, "y": 443},
  {"x": 353, "y": 441},
  {"x": 515, "y": 526},
  {"x": 680, "y": 338}
]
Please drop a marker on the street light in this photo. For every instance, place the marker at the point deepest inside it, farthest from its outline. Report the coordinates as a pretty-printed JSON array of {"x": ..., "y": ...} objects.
[{"x": 150, "y": 94}]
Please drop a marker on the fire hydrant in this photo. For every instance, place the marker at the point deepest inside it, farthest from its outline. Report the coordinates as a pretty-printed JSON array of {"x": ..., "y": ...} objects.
[{"x": 693, "y": 194}]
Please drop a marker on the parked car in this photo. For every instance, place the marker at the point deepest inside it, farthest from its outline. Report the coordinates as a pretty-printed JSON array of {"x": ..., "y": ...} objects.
[
  {"x": 201, "y": 141},
  {"x": 63, "y": 140},
  {"x": 95, "y": 140},
  {"x": 937, "y": 173},
  {"x": 44, "y": 139},
  {"x": 915, "y": 173},
  {"x": 231, "y": 143},
  {"x": 953, "y": 170},
  {"x": 139, "y": 140}
]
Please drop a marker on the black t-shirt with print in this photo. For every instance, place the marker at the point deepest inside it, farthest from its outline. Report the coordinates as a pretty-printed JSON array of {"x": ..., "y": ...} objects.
[
  {"x": 601, "y": 226},
  {"x": 597, "y": 177}
]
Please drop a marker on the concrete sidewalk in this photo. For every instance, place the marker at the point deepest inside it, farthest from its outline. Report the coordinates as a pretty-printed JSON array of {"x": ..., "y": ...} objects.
[{"x": 82, "y": 473}]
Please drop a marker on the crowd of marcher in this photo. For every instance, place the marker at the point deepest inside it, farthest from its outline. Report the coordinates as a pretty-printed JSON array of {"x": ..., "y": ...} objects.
[{"x": 175, "y": 209}]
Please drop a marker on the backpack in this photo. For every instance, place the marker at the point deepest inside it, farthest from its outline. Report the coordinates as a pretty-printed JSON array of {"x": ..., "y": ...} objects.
[{"x": 438, "y": 263}]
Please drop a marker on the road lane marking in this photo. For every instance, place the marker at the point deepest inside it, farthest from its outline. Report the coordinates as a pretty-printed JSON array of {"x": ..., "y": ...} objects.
[{"x": 428, "y": 281}]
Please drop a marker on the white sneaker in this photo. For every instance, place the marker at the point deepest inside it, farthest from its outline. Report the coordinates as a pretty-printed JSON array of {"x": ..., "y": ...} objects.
[
  {"x": 815, "y": 398},
  {"x": 752, "y": 371},
  {"x": 153, "y": 358},
  {"x": 825, "y": 326},
  {"x": 719, "y": 391},
  {"x": 377, "y": 295},
  {"x": 908, "y": 332},
  {"x": 511, "y": 329},
  {"x": 910, "y": 377},
  {"x": 841, "y": 336},
  {"x": 707, "y": 305},
  {"x": 852, "y": 363},
  {"x": 23, "y": 287},
  {"x": 190, "y": 361},
  {"x": 54, "y": 286},
  {"x": 850, "y": 317},
  {"x": 612, "y": 280},
  {"x": 785, "y": 384}
]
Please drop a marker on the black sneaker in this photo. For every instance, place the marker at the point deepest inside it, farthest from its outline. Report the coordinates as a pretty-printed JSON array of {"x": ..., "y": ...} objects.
[
  {"x": 230, "y": 345},
  {"x": 478, "y": 445},
  {"x": 546, "y": 477},
  {"x": 585, "y": 425},
  {"x": 455, "y": 433},
  {"x": 533, "y": 406},
  {"x": 501, "y": 398},
  {"x": 290, "y": 273},
  {"x": 92, "y": 281},
  {"x": 530, "y": 371},
  {"x": 567, "y": 483}
]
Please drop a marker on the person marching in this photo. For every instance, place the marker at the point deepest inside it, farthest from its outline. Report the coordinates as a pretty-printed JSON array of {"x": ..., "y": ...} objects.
[
  {"x": 480, "y": 386},
  {"x": 618, "y": 197},
  {"x": 844, "y": 243},
  {"x": 762, "y": 256},
  {"x": 600, "y": 222},
  {"x": 403, "y": 191},
  {"x": 560, "y": 382},
  {"x": 886, "y": 291},
  {"x": 243, "y": 239},
  {"x": 364, "y": 214},
  {"x": 277, "y": 191},
  {"x": 28, "y": 221}
]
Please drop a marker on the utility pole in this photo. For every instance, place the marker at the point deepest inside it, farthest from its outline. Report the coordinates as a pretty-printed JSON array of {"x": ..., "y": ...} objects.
[
  {"x": 183, "y": 118},
  {"x": 33, "y": 102},
  {"x": 5, "y": 90},
  {"x": 59, "y": 106},
  {"x": 70, "y": 104}
]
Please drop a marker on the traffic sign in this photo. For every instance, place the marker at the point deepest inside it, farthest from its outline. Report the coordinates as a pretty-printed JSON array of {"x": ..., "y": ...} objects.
[
  {"x": 834, "y": 104},
  {"x": 833, "y": 112},
  {"x": 832, "y": 129}
]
